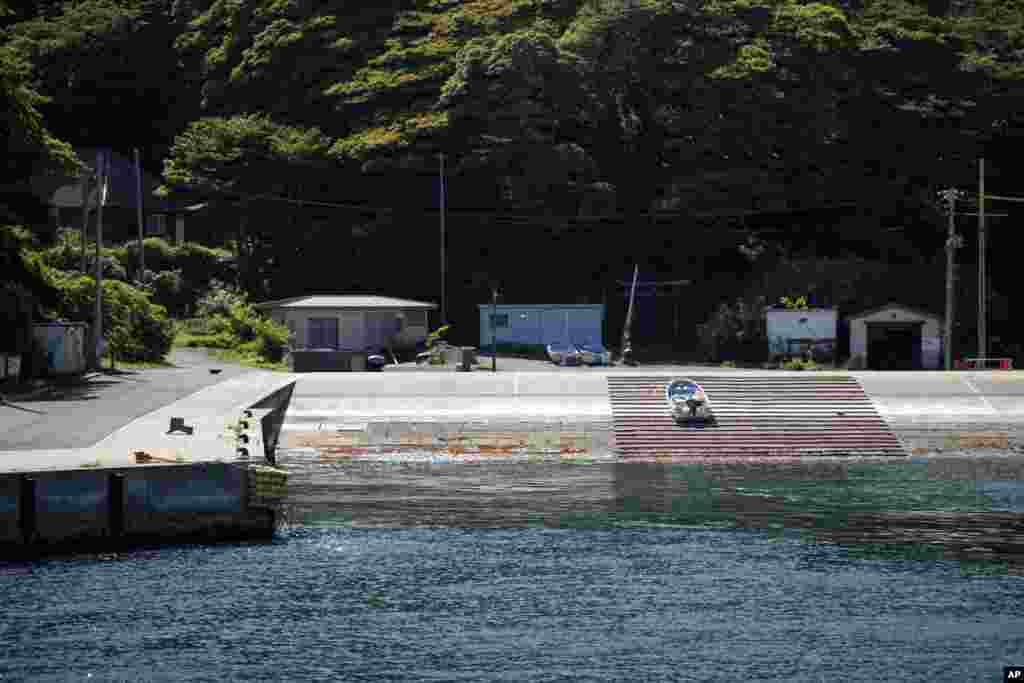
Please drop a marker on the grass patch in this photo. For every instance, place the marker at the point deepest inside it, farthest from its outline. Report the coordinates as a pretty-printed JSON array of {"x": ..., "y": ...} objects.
[
  {"x": 801, "y": 364},
  {"x": 237, "y": 354},
  {"x": 184, "y": 340},
  {"x": 247, "y": 359}
]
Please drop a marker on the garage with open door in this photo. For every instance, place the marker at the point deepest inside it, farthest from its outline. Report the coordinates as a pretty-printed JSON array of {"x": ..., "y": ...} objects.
[{"x": 895, "y": 337}]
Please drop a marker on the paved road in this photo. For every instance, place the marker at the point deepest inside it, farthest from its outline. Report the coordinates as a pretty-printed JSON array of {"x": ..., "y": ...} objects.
[{"x": 80, "y": 416}]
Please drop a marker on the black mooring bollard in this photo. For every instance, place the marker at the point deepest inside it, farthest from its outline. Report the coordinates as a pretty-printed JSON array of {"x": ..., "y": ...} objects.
[
  {"x": 115, "y": 505},
  {"x": 27, "y": 509}
]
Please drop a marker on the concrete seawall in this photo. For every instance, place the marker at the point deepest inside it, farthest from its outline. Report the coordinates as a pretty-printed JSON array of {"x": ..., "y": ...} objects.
[
  {"x": 146, "y": 483},
  {"x": 44, "y": 512}
]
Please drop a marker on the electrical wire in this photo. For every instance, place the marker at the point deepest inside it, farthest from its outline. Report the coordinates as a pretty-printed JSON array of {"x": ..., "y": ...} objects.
[{"x": 527, "y": 219}]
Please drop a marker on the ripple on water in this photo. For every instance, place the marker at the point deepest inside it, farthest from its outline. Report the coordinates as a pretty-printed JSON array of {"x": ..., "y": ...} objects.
[{"x": 601, "y": 573}]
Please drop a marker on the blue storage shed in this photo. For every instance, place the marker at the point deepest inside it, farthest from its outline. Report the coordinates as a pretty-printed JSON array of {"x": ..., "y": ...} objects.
[{"x": 537, "y": 325}]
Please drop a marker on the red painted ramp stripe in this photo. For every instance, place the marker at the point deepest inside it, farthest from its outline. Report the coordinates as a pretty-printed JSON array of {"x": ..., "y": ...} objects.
[{"x": 755, "y": 415}]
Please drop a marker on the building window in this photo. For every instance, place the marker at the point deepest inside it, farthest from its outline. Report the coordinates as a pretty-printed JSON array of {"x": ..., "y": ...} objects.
[
  {"x": 499, "y": 320},
  {"x": 322, "y": 333},
  {"x": 157, "y": 224}
]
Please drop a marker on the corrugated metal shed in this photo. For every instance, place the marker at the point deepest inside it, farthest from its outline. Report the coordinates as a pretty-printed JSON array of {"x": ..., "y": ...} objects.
[
  {"x": 541, "y": 324},
  {"x": 755, "y": 415}
]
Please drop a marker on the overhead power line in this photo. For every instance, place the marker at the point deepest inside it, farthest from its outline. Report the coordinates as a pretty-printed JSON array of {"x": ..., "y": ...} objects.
[
  {"x": 974, "y": 196},
  {"x": 1004, "y": 199},
  {"x": 539, "y": 218}
]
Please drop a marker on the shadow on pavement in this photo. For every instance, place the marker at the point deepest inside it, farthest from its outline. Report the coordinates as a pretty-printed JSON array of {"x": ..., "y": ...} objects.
[
  {"x": 79, "y": 391},
  {"x": 11, "y": 404}
]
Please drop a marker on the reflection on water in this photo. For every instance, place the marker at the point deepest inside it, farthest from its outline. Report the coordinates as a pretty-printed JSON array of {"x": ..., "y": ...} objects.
[{"x": 961, "y": 507}]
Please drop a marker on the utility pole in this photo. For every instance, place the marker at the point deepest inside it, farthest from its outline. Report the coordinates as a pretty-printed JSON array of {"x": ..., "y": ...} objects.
[
  {"x": 982, "y": 281},
  {"x": 138, "y": 206},
  {"x": 494, "y": 329},
  {"x": 444, "y": 313},
  {"x": 953, "y": 241},
  {"x": 103, "y": 163},
  {"x": 627, "y": 343},
  {"x": 87, "y": 180}
]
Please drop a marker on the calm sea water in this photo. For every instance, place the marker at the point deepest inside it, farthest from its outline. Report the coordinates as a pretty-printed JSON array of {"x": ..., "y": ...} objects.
[{"x": 548, "y": 573}]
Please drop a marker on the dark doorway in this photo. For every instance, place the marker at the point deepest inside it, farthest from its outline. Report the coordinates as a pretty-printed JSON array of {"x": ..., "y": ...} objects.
[{"x": 894, "y": 346}]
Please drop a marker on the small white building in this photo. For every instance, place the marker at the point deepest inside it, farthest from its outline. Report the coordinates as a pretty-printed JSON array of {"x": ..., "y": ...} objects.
[
  {"x": 789, "y": 330},
  {"x": 357, "y": 322},
  {"x": 895, "y": 337},
  {"x": 541, "y": 324}
]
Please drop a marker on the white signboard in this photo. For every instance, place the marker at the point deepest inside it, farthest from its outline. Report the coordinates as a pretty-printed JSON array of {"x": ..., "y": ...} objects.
[
  {"x": 931, "y": 352},
  {"x": 785, "y": 325}
]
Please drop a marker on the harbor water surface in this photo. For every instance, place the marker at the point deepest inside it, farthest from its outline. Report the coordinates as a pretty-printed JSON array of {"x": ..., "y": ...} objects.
[{"x": 545, "y": 571}]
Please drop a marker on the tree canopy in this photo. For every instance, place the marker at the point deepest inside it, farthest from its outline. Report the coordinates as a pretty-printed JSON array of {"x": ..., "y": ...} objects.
[{"x": 557, "y": 115}]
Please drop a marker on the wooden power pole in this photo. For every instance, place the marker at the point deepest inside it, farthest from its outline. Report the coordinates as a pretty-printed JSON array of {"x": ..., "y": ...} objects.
[
  {"x": 952, "y": 243},
  {"x": 444, "y": 311},
  {"x": 138, "y": 207},
  {"x": 982, "y": 281}
]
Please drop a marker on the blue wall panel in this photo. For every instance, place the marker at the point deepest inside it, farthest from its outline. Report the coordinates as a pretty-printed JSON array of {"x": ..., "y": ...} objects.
[
  {"x": 78, "y": 493},
  {"x": 219, "y": 489}
]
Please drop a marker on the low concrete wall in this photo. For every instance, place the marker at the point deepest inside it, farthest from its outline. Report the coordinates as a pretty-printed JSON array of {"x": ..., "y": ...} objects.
[
  {"x": 324, "y": 361},
  {"x": 113, "y": 507}
]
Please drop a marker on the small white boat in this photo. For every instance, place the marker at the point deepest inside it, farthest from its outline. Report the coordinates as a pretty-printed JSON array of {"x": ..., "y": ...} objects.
[
  {"x": 687, "y": 400},
  {"x": 563, "y": 353},
  {"x": 593, "y": 353}
]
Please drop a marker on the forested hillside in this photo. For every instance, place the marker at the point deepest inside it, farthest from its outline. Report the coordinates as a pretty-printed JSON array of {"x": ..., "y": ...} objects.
[{"x": 701, "y": 138}]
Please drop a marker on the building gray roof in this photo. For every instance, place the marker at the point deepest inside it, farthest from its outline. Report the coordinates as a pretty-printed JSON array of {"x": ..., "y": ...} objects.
[
  {"x": 919, "y": 311},
  {"x": 559, "y": 307},
  {"x": 361, "y": 301}
]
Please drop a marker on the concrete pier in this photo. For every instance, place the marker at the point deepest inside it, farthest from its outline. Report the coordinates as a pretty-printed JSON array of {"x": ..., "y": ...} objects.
[{"x": 146, "y": 482}]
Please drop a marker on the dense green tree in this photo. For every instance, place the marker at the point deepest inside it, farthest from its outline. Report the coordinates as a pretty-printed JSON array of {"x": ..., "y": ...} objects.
[
  {"x": 564, "y": 123},
  {"x": 110, "y": 72}
]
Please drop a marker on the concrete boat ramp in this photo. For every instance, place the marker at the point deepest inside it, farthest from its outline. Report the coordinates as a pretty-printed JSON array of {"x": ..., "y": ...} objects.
[{"x": 621, "y": 414}]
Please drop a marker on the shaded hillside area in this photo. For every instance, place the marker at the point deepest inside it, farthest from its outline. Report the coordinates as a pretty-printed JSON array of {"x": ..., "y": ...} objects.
[{"x": 717, "y": 141}]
